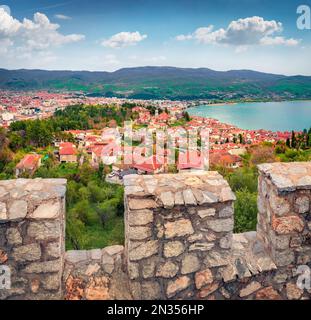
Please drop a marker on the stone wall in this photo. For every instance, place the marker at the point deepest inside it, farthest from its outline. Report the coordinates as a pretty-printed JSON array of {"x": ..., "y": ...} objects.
[
  {"x": 179, "y": 241},
  {"x": 32, "y": 237},
  {"x": 284, "y": 219},
  {"x": 178, "y": 226}
]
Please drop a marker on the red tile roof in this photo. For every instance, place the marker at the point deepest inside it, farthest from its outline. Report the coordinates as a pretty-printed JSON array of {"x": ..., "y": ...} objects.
[{"x": 30, "y": 161}]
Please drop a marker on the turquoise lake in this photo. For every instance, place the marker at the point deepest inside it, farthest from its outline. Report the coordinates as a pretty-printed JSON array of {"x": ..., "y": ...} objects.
[{"x": 276, "y": 116}]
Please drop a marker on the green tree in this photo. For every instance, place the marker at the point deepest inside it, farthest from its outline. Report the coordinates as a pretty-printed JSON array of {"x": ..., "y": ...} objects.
[{"x": 245, "y": 211}]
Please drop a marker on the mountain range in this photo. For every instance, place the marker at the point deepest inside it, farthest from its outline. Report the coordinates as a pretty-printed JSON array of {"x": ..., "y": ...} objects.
[{"x": 163, "y": 83}]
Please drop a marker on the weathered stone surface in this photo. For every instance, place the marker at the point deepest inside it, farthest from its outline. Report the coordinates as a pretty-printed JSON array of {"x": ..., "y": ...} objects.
[
  {"x": 175, "y": 286},
  {"x": 139, "y": 233},
  {"x": 133, "y": 270},
  {"x": 189, "y": 198},
  {"x": 35, "y": 285},
  {"x": 92, "y": 269},
  {"x": 179, "y": 200},
  {"x": 267, "y": 293},
  {"x": 195, "y": 237},
  {"x": 144, "y": 250},
  {"x": 13, "y": 236},
  {"x": 167, "y": 270},
  {"x": 107, "y": 262},
  {"x": 206, "y": 213},
  {"x": 51, "y": 282},
  {"x": 173, "y": 249},
  {"x": 50, "y": 210},
  {"x": 114, "y": 250},
  {"x": 199, "y": 196},
  {"x": 209, "y": 197},
  {"x": 3, "y": 212},
  {"x": 76, "y": 256},
  {"x": 3, "y": 192},
  {"x": 279, "y": 205},
  {"x": 167, "y": 199},
  {"x": 141, "y": 204},
  {"x": 201, "y": 246},
  {"x": 149, "y": 269},
  {"x": 205, "y": 292},
  {"x": 151, "y": 290},
  {"x": 284, "y": 258},
  {"x": 304, "y": 256},
  {"x": 280, "y": 277},
  {"x": 216, "y": 259},
  {"x": 203, "y": 278},
  {"x": 44, "y": 267},
  {"x": 220, "y": 225},
  {"x": 249, "y": 289},
  {"x": 265, "y": 264},
  {"x": 31, "y": 252},
  {"x": 133, "y": 190},
  {"x": 178, "y": 228},
  {"x": 210, "y": 236},
  {"x": 293, "y": 292},
  {"x": 295, "y": 242},
  {"x": 18, "y": 210},
  {"x": 280, "y": 242},
  {"x": 97, "y": 289},
  {"x": 229, "y": 273},
  {"x": 44, "y": 230},
  {"x": 225, "y": 293},
  {"x": 3, "y": 256},
  {"x": 286, "y": 225},
  {"x": 53, "y": 250},
  {"x": 190, "y": 263},
  {"x": 140, "y": 217},
  {"x": 227, "y": 195},
  {"x": 226, "y": 241},
  {"x": 95, "y": 254},
  {"x": 226, "y": 212},
  {"x": 302, "y": 204}
]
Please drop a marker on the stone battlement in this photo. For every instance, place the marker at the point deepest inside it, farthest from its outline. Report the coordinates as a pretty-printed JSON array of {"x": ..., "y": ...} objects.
[
  {"x": 179, "y": 240},
  {"x": 32, "y": 237}
]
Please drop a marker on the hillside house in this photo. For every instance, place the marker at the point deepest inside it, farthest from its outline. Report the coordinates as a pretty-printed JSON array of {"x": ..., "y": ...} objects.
[
  {"x": 29, "y": 164},
  {"x": 68, "y": 153}
]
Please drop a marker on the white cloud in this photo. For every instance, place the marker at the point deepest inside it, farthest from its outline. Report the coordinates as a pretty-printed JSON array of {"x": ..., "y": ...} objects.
[
  {"x": 279, "y": 41},
  {"x": 243, "y": 32},
  {"x": 124, "y": 39},
  {"x": 62, "y": 17},
  {"x": 37, "y": 34},
  {"x": 6, "y": 8}
]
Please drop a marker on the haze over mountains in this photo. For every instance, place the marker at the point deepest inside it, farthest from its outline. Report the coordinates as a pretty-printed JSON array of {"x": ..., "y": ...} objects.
[{"x": 163, "y": 82}]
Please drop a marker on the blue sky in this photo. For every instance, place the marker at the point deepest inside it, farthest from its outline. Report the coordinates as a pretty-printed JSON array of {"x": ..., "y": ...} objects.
[{"x": 108, "y": 35}]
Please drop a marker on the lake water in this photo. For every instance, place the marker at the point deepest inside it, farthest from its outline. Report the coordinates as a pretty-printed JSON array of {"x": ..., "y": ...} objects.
[{"x": 276, "y": 116}]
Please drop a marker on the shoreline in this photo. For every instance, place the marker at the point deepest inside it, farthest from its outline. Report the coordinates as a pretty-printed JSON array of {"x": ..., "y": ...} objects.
[{"x": 219, "y": 104}]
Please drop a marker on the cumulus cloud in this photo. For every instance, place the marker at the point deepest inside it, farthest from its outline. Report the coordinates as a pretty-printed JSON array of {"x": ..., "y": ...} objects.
[
  {"x": 243, "y": 32},
  {"x": 6, "y": 8},
  {"x": 124, "y": 39},
  {"x": 62, "y": 17},
  {"x": 36, "y": 34}
]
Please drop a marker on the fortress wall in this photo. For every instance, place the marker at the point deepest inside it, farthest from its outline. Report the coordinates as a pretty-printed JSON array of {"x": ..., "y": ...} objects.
[{"x": 32, "y": 238}]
